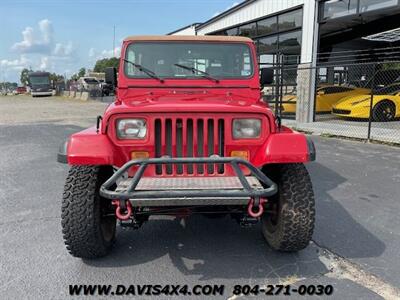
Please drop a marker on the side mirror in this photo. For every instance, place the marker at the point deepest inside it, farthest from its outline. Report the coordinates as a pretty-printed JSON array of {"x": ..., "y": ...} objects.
[
  {"x": 321, "y": 93},
  {"x": 111, "y": 76},
  {"x": 267, "y": 76}
]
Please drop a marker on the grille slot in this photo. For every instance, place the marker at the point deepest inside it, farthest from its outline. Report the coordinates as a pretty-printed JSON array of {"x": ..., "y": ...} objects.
[
  {"x": 168, "y": 140},
  {"x": 221, "y": 144},
  {"x": 179, "y": 144},
  {"x": 200, "y": 144},
  {"x": 210, "y": 143},
  {"x": 189, "y": 144},
  {"x": 189, "y": 137},
  {"x": 158, "y": 143}
]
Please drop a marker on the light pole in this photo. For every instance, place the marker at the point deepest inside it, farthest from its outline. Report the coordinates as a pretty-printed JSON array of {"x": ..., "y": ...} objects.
[{"x": 114, "y": 42}]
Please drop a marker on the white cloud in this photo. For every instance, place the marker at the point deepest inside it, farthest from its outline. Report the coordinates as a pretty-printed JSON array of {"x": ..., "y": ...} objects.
[
  {"x": 63, "y": 50},
  {"x": 31, "y": 43},
  {"x": 43, "y": 43},
  {"x": 39, "y": 50},
  {"x": 47, "y": 31},
  {"x": 95, "y": 54},
  {"x": 15, "y": 64},
  {"x": 92, "y": 52},
  {"x": 45, "y": 63},
  {"x": 10, "y": 69},
  {"x": 111, "y": 53}
]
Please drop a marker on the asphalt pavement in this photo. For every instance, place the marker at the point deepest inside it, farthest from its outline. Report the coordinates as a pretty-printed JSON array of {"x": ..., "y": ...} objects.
[{"x": 355, "y": 245}]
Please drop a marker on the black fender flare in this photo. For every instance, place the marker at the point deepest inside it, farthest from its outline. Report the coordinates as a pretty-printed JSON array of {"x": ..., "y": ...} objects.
[{"x": 62, "y": 152}]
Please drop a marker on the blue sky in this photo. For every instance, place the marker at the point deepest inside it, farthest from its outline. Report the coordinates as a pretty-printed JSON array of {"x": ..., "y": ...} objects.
[{"x": 63, "y": 35}]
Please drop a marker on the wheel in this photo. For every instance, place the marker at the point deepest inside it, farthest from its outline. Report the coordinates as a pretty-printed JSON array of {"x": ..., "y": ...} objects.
[
  {"x": 384, "y": 111},
  {"x": 289, "y": 227},
  {"x": 88, "y": 222}
]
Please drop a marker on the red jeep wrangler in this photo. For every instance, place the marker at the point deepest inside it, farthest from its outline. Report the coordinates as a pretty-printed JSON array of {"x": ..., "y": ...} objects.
[{"x": 188, "y": 132}]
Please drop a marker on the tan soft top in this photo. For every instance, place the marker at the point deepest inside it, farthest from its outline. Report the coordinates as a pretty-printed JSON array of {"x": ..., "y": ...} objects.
[{"x": 211, "y": 38}]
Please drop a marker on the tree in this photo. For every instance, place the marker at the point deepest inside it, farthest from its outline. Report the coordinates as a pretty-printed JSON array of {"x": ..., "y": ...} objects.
[
  {"x": 82, "y": 72},
  {"x": 24, "y": 78},
  {"x": 8, "y": 85},
  {"x": 391, "y": 66},
  {"x": 56, "y": 77},
  {"x": 74, "y": 77},
  {"x": 104, "y": 63}
]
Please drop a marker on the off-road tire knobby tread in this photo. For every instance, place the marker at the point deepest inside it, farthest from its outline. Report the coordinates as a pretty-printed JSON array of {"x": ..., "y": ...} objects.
[
  {"x": 295, "y": 225},
  {"x": 80, "y": 213}
]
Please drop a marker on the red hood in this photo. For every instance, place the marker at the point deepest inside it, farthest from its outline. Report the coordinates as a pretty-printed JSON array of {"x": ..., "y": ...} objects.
[{"x": 189, "y": 101}]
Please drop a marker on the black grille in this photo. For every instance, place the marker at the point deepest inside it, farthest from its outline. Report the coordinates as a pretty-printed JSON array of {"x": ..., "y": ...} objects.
[{"x": 203, "y": 137}]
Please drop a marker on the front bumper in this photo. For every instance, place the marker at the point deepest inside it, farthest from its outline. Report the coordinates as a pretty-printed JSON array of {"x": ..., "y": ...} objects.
[
  {"x": 175, "y": 191},
  {"x": 47, "y": 93},
  {"x": 355, "y": 112}
]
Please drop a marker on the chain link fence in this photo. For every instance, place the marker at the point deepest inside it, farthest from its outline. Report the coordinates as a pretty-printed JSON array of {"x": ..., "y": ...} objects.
[{"x": 358, "y": 100}]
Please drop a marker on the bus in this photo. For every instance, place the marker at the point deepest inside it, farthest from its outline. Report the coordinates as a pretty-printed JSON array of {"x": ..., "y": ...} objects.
[{"x": 40, "y": 84}]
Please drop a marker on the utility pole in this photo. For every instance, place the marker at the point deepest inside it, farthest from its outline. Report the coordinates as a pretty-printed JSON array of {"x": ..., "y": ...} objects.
[{"x": 114, "y": 42}]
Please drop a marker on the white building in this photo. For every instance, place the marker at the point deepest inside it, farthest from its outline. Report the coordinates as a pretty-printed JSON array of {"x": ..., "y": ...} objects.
[
  {"x": 187, "y": 30},
  {"x": 300, "y": 29}
]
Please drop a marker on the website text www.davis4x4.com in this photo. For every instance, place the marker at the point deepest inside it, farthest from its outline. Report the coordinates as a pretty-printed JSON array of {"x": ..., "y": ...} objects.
[{"x": 199, "y": 290}]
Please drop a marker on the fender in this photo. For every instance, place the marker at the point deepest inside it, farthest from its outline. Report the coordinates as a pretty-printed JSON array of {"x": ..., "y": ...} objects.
[
  {"x": 91, "y": 148},
  {"x": 285, "y": 147},
  {"x": 88, "y": 147}
]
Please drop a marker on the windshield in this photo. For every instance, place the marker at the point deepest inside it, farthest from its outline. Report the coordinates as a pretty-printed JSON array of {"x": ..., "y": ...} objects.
[
  {"x": 91, "y": 80},
  {"x": 391, "y": 89},
  {"x": 36, "y": 80},
  {"x": 165, "y": 60}
]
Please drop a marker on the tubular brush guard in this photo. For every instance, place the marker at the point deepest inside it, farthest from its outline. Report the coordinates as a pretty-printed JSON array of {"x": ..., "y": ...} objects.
[{"x": 132, "y": 193}]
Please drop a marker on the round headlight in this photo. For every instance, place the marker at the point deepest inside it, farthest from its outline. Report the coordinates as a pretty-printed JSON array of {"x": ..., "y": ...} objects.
[
  {"x": 131, "y": 128},
  {"x": 246, "y": 128}
]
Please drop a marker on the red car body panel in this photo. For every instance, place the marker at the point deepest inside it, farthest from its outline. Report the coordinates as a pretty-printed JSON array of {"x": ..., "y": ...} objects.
[
  {"x": 91, "y": 148},
  {"x": 285, "y": 147},
  {"x": 21, "y": 90},
  {"x": 183, "y": 99}
]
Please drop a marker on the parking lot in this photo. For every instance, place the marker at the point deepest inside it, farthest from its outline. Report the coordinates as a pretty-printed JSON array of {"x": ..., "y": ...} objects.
[
  {"x": 355, "y": 243},
  {"x": 327, "y": 124}
]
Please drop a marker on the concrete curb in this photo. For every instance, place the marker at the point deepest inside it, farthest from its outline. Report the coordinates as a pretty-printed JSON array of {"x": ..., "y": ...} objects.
[{"x": 84, "y": 96}]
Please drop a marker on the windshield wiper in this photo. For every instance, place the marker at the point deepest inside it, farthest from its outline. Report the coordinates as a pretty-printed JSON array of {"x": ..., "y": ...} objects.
[
  {"x": 194, "y": 71},
  {"x": 150, "y": 73}
]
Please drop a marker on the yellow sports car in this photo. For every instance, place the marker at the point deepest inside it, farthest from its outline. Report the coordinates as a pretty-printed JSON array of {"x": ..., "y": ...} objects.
[
  {"x": 385, "y": 106},
  {"x": 327, "y": 96}
]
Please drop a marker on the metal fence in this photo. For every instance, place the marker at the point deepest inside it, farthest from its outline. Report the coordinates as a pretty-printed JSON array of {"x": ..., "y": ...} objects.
[{"x": 358, "y": 100}]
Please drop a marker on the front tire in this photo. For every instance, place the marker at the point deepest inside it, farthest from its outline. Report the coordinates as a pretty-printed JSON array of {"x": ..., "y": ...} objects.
[
  {"x": 88, "y": 225},
  {"x": 290, "y": 225},
  {"x": 384, "y": 111}
]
